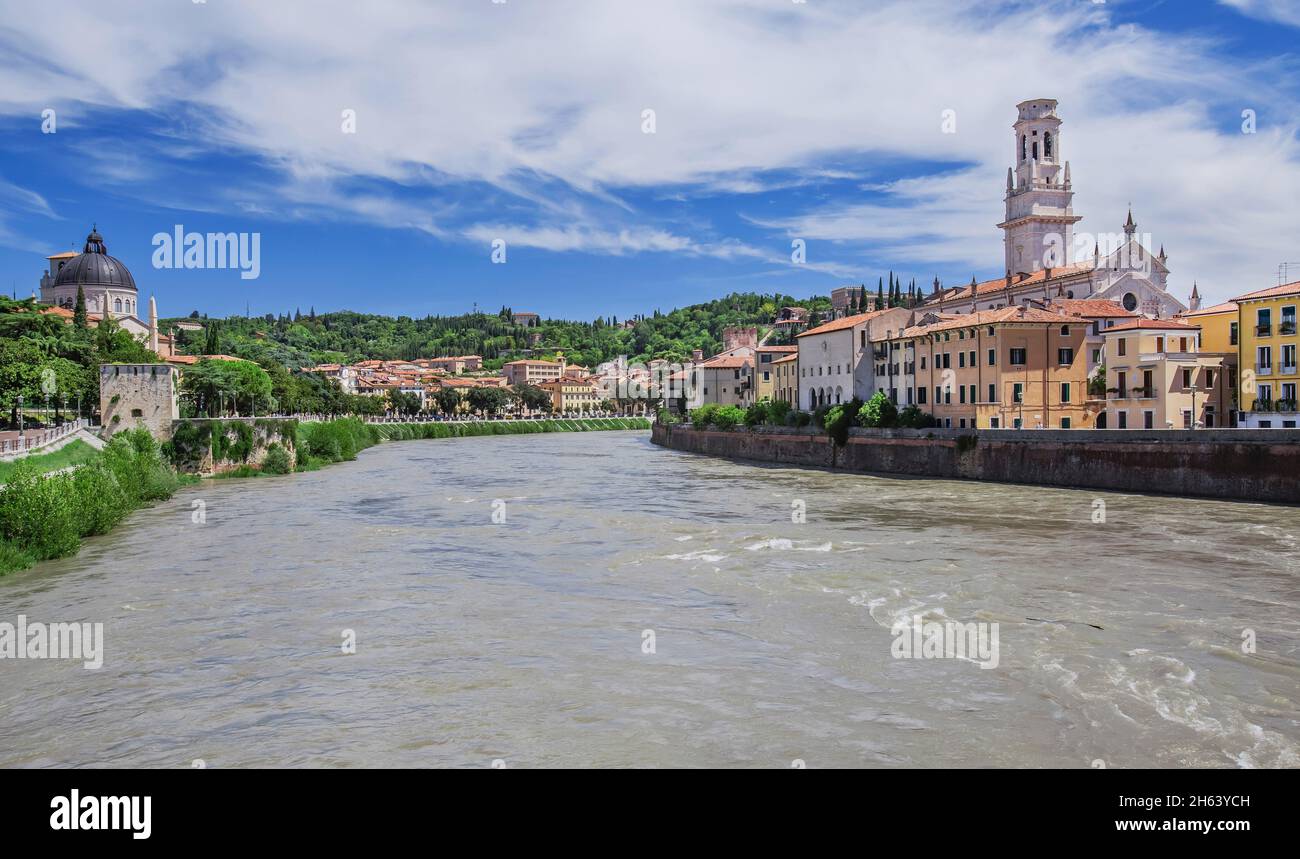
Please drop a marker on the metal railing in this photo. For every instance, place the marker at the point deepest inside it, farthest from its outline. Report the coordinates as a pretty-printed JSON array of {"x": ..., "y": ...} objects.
[{"x": 37, "y": 439}]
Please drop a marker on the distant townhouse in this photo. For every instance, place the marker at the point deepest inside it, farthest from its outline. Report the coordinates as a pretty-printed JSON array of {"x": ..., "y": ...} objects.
[
  {"x": 456, "y": 364},
  {"x": 786, "y": 372},
  {"x": 341, "y": 374},
  {"x": 570, "y": 396},
  {"x": 1011, "y": 368},
  {"x": 1157, "y": 377},
  {"x": 1267, "y": 378},
  {"x": 764, "y": 382},
  {"x": 723, "y": 379},
  {"x": 528, "y": 320},
  {"x": 530, "y": 372},
  {"x": 791, "y": 319},
  {"x": 835, "y": 359},
  {"x": 846, "y": 300}
]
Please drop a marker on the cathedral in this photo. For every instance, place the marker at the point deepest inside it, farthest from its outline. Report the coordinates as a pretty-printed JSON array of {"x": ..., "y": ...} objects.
[
  {"x": 108, "y": 287},
  {"x": 1039, "y": 239}
]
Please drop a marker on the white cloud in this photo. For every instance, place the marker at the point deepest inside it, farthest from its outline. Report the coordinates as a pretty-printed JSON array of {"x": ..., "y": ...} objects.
[
  {"x": 1282, "y": 11},
  {"x": 543, "y": 103}
]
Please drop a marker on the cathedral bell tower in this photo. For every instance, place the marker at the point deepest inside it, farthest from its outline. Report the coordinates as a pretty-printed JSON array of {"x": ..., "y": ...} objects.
[{"x": 1039, "y": 227}]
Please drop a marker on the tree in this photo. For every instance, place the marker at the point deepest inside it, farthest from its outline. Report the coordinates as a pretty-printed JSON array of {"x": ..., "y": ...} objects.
[
  {"x": 879, "y": 411},
  {"x": 533, "y": 398},
  {"x": 79, "y": 320},
  {"x": 880, "y": 293},
  {"x": 448, "y": 400},
  {"x": 403, "y": 402},
  {"x": 242, "y": 384},
  {"x": 487, "y": 401}
]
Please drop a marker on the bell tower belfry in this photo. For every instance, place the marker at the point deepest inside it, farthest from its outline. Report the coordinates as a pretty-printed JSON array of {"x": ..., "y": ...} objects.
[{"x": 1039, "y": 227}]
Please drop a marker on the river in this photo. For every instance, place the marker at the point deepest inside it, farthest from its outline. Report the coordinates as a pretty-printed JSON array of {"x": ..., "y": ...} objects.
[{"x": 524, "y": 641}]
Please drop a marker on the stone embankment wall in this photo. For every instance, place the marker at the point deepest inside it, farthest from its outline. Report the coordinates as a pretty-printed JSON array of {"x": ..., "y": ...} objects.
[
  {"x": 212, "y": 446},
  {"x": 1246, "y": 465}
]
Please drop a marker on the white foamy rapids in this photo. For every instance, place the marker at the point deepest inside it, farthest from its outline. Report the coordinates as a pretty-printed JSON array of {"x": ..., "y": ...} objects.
[
  {"x": 900, "y": 610},
  {"x": 783, "y": 545},
  {"x": 705, "y": 555}
]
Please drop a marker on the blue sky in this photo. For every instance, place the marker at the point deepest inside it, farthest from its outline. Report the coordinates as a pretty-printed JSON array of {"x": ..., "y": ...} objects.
[{"x": 523, "y": 121}]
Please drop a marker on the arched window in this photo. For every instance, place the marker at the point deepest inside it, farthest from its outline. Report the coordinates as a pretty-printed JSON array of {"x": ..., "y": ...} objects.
[
  {"x": 1035, "y": 150},
  {"x": 117, "y": 305},
  {"x": 1047, "y": 145},
  {"x": 1022, "y": 147}
]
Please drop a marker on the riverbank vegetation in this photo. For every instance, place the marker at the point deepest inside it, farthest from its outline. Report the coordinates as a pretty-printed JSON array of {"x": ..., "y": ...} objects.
[
  {"x": 73, "y": 453},
  {"x": 464, "y": 429},
  {"x": 879, "y": 412},
  {"x": 44, "y": 516}
]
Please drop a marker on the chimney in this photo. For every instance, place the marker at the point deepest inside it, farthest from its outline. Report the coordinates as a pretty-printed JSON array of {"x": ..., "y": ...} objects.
[{"x": 697, "y": 355}]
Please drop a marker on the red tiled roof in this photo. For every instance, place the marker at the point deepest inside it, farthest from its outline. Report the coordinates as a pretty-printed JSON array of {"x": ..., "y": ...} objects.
[
  {"x": 1274, "y": 292},
  {"x": 1225, "y": 307},
  {"x": 1000, "y": 316},
  {"x": 1153, "y": 324},
  {"x": 841, "y": 324},
  {"x": 787, "y": 359},
  {"x": 727, "y": 362},
  {"x": 1091, "y": 307}
]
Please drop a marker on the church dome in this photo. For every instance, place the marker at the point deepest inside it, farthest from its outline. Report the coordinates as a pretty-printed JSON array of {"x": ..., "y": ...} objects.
[{"x": 93, "y": 267}]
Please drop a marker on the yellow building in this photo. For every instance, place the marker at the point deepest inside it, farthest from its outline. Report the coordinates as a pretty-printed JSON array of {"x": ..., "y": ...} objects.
[
  {"x": 764, "y": 383},
  {"x": 1010, "y": 368},
  {"x": 1159, "y": 377},
  {"x": 569, "y": 396},
  {"x": 1267, "y": 377},
  {"x": 1220, "y": 331}
]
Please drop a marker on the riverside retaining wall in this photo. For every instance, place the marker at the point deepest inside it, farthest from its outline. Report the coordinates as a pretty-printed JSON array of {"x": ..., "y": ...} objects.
[{"x": 1246, "y": 465}]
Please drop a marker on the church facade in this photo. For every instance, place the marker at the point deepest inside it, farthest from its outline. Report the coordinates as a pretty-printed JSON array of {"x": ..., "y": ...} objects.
[{"x": 1039, "y": 239}]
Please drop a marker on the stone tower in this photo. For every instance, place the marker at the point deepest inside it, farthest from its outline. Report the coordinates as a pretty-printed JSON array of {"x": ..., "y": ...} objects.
[{"x": 1039, "y": 227}]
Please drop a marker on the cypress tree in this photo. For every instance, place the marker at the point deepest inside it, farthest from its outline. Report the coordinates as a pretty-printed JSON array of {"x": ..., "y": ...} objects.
[
  {"x": 880, "y": 293},
  {"x": 79, "y": 320}
]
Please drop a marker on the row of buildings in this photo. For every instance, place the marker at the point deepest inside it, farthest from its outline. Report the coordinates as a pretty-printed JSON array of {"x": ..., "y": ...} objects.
[
  {"x": 571, "y": 387},
  {"x": 1058, "y": 341}
]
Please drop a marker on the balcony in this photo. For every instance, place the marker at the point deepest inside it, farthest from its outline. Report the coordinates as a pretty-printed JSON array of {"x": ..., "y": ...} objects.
[
  {"x": 1287, "y": 370},
  {"x": 1286, "y": 328},
  {"x": 1263, "y": 330},
  {"x": 1263, "y": 369},
  {"x": 1274, "y": 406}
]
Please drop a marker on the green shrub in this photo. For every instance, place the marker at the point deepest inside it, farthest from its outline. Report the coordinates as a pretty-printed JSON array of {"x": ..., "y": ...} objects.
[
  {"x": 37, "y": 513},
  {"x": 100, "y": 502},
  {"x": 728, "y": 417},
  {"x": 798, "y": 419},
  {"x": 704, "y": 415},
  {"x": 277, "y": 460},
  {"x": 12, "y": 558},
  {"x": 757, "y": 414},
  {"x": 913, "y": 418},
  {"x": 839, "y": 418},
  {"x": 879, "y": 411},
  {"x": 777, "y": 412}
]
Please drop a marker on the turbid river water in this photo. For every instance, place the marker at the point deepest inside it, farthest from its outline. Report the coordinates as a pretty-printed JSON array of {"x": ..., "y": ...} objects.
[{"x": 524, "y": 641}]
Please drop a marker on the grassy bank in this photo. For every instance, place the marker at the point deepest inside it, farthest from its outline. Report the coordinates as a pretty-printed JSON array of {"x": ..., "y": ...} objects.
[
  {"x": 406, "y": 432},
  {"x": 45, "y": 516},
  {"x": 74, "y": 453}
]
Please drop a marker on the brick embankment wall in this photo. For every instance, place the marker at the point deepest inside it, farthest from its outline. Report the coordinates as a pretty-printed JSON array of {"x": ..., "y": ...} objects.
[{"x": 1246, "y": 465}]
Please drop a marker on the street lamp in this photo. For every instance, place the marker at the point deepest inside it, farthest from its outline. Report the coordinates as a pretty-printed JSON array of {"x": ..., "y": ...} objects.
[
  {"x": 1192, "y": 388},
  {"x": 20, "y": 415}
]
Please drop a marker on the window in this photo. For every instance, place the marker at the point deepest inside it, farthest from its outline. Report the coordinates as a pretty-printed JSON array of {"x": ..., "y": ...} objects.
[
  {"x": 1288, "y": 320},
  {"x": 972, "y": 357},
  {"x": 993, "y": 393},
  {"x": 1065, "y": 357},
  {"x": 938, "y": 395},
  {"x": 1016, "y": 423},
  {"x": 1264, "y": 359},
  {"x": 922, "y": 362},
  {"x": 1065, "y": 392},
  {"x": 1160, "y": 344},
  {"x": 993, "y": 423},
  {"x": 972, "y": 393},
  {"x": 947, "y": 362},
  {"x": 1123, "y": 385},
  {"x": 864, "y": 338},
  {"x": 990, "y": 331},
  {"x": 920, "y": 396},
  {"x": 1187, "y": 378},
  {"x": 1264, "y": 394},
  {"x": 947, "y": 396},
  {"x": 1264, "y": 321},
  {"x": 1209, "y": 379},
  {"x": 1065, "y": 423},
  {"x": 1047, "y": 145},
  {"x": 1065, "y": 331},
  {"x": 1148, "y": 387},
  {"x": 961, "y": 359},
  {"x": 1017, "y": 393},
  {"x": 706, "y": 392},
  {"x": 1017, "y": 357},
  {"x": 1288, "y": 358},
  {"x": 1148, "y": 420},
  {"x": 1123, "y": 420},
  {"x": 1096, "y": 356},
  {"x": 137, "y": 413},
  {"x": 961, "y": 395},
  {"x": 962, "y": 423},
  {"x": 993, "y": 357},
  {"x": 961, "y": 335},
  {"x": 1288, "y": 394},
  {"x": 1122, "y": 347}
]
